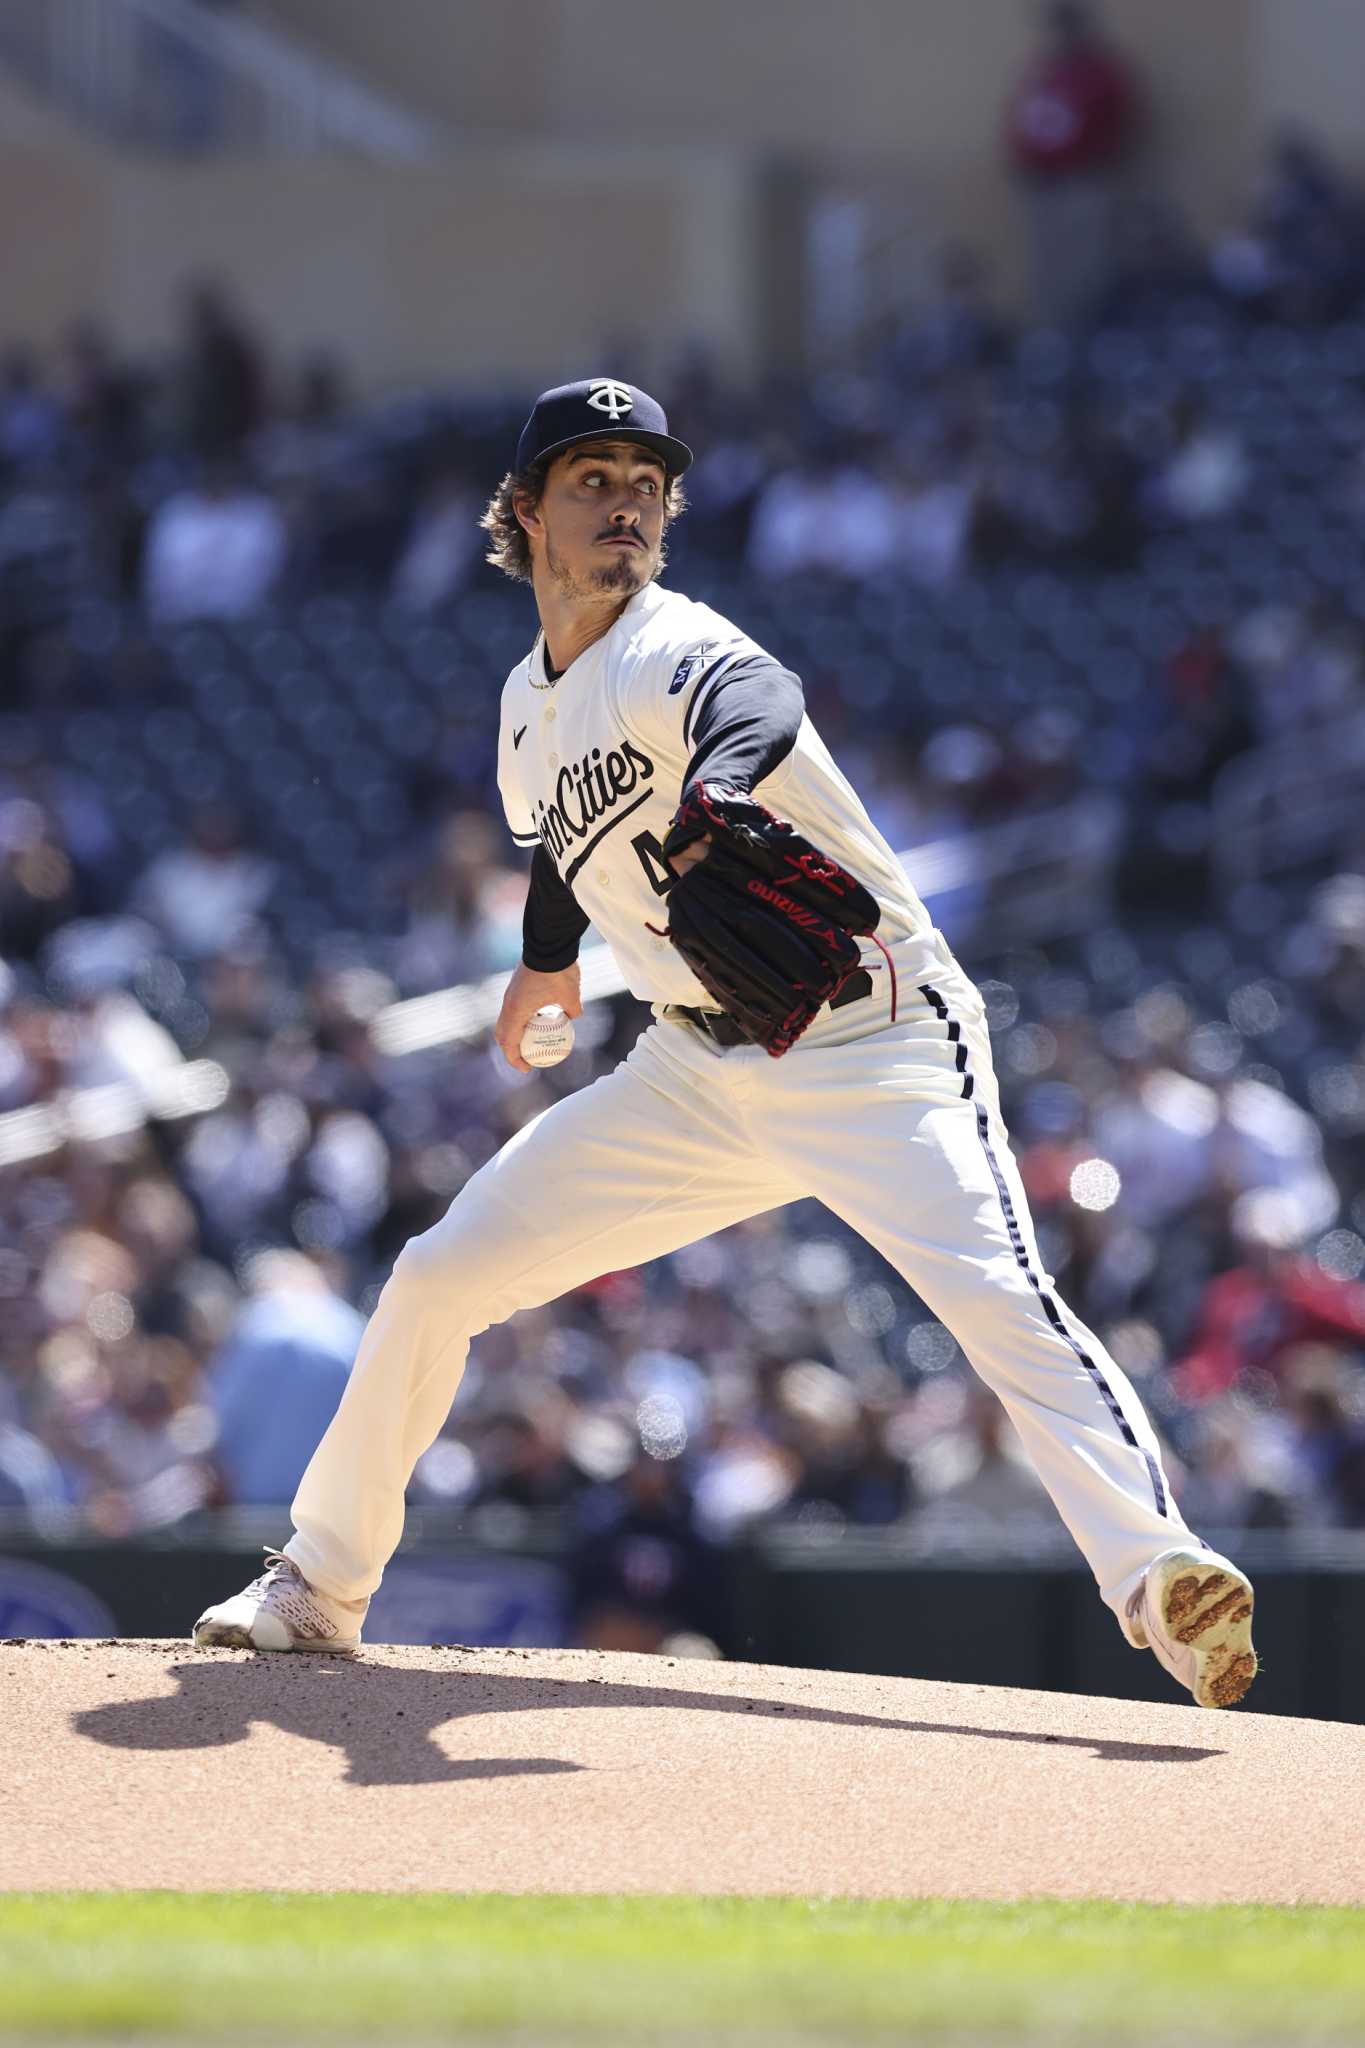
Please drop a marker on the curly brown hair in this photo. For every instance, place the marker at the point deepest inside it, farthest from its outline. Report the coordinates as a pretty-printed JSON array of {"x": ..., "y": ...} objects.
[{"x": 510, "y": 548}]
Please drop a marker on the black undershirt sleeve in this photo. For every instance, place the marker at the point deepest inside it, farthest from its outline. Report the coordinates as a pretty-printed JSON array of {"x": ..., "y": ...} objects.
[
  {"x": 552, "y": 924},
  {"x": 747, "y": 724}
]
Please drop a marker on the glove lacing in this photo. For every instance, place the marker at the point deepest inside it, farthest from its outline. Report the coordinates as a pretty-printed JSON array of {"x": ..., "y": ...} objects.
[{"x": 891, "y": 966}]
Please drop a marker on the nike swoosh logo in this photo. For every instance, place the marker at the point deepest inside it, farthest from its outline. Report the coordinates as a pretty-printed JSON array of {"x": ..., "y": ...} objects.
[{"x": 518, "y": 736}]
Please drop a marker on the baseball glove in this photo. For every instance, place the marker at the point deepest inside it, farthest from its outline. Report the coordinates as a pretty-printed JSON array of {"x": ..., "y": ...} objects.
[{"x": 765, "y": 920}]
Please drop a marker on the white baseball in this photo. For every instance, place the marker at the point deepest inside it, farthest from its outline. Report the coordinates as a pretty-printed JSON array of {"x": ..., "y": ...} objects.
[{"x": 548, "y": 1038}]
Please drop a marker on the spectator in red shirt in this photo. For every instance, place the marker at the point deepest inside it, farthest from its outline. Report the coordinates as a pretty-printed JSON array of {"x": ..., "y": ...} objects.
[
  {"x": 1256, "y": 1314},
  {"x": 1070, "y": 127}
]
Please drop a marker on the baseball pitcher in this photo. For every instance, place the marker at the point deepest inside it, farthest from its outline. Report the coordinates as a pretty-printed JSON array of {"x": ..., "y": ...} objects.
[{"x": 812, "y": 1035}]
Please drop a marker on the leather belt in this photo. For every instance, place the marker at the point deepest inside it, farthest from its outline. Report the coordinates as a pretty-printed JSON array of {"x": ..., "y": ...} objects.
[{"x": 724, "y": 1031}]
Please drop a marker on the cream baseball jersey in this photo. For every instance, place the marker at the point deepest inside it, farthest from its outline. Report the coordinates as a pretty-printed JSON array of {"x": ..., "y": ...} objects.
[{"x": 592, "y": 765}]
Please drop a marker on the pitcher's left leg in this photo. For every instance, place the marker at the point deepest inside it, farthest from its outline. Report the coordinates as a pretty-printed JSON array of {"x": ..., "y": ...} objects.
[
  {"x": 951, "y": 1222},
  {"x": 906, "y": 1141},
  {"x": 1190, "y": 1607},
  {"x": 916, "y": 1159}
]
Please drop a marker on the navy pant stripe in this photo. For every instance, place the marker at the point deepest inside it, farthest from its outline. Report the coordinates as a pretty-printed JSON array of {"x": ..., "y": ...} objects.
[{"x": 1018, "y": 1247}]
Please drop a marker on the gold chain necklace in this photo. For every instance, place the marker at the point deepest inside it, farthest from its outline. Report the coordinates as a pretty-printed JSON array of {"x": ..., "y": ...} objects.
[{"x": 538, "y": 661}]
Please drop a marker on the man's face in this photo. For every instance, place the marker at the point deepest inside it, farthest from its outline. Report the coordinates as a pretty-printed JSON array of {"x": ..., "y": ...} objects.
[{"x": 599, "y": 525}]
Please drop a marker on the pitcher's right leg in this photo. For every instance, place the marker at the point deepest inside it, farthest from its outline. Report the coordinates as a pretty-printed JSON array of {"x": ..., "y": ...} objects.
[{"x": 646, "y": 1159}]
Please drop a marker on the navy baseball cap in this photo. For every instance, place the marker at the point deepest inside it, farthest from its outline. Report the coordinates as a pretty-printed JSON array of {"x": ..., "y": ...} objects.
[{"x": 594, "y": 409}]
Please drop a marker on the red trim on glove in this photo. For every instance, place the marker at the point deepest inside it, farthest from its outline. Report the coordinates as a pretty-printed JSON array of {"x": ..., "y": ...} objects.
[{"x": 892, "y": 965}]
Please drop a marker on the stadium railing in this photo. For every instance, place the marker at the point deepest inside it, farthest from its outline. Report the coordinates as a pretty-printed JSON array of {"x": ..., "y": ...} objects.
[{"x": 171, "y": 73}]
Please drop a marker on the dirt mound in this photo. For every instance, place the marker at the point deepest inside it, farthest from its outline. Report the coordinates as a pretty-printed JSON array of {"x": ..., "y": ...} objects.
[{"x": 153, "y": 1764}]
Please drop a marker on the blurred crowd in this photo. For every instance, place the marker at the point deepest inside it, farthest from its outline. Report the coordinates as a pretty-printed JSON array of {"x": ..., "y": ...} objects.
[
  {"x": 186, "y": 1264},
  {"x": 215, "y": 479}
]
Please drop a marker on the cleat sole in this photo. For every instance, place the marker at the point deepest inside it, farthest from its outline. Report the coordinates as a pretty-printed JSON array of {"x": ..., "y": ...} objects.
[{"x": 1210, "y": 1613}]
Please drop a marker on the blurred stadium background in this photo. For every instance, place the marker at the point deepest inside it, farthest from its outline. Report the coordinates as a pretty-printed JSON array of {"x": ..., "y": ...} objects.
[{"x": 1024, "y": 353}]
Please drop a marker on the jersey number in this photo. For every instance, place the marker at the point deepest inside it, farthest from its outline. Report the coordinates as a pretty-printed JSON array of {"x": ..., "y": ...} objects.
[{"x": 652, "y": 856}]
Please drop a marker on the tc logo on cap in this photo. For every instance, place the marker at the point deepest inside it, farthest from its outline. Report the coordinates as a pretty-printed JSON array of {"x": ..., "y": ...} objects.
[{"x": 610, "y": 397}]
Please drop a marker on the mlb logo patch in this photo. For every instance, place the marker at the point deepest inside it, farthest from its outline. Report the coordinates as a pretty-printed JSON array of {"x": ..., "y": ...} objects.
[{"x": 687, "y": 668}]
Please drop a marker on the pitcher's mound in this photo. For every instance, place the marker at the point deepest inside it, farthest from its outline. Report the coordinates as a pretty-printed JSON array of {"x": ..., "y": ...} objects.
[{"x": 152, "y": 1764}]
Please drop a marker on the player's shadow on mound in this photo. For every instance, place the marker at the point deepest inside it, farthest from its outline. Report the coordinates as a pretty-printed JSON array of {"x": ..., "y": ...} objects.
[{"x": 386, "y": 1717}]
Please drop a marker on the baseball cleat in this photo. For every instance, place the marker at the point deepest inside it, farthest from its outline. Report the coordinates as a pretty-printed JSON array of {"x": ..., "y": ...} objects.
[
  {"x": 278, "y": 1611},
  {"x": 1193, "y": 1611}
]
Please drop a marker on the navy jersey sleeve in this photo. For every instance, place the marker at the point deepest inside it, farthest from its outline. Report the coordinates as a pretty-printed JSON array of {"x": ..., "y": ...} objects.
[{"x": 747, "y": 724}]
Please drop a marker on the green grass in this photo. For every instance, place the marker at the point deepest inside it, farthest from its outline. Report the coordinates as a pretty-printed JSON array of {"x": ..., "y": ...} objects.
[{"x": 252, "y": 1966}]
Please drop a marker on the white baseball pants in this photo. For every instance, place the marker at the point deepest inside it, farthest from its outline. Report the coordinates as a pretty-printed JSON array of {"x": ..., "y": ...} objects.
[{"x": 894, "y": 1126}]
